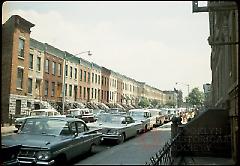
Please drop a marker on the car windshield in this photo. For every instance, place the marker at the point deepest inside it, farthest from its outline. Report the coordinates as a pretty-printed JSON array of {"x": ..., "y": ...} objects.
[
  {"x": 139, "y": 114},
  {"x": 110, "y": 119},
  {"x": 75, "y": 112},
  {"x": 39, "y": 126}
]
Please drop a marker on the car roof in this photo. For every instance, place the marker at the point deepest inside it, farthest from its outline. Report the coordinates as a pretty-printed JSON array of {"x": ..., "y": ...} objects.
[
  {"x": 45, "y": 110},
  {"x": 68, "y": 119}
]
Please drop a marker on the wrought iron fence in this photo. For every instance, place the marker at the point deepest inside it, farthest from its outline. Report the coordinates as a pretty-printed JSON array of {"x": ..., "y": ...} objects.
[{"x": 166, "y": 155}]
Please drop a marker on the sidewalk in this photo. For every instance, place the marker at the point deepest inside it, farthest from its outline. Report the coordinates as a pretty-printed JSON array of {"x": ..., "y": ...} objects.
[
  {"x": 195, "y": 160},
  {"x": 7, "y": 130}
]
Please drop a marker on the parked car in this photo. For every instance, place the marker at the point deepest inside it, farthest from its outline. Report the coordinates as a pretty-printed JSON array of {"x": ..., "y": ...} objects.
[
  {"x": 82, "y": 113},
  {"x": 116, "y": 111},
  {"x": 39, "y": 112},
  {"x": 52, "y": 140},
  {"x": 143, "y": 116},
  {"x": 97, "y": 112},
  {"x": 168, "y": 115},
  {"x": 116, "y": 127},
  {"x": 156, "y": 117}
]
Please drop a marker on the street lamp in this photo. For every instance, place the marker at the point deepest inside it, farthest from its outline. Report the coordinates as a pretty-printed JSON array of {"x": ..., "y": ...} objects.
[
  {"x": 188, "y": 90},
  {"x": 64, "y": 79}
]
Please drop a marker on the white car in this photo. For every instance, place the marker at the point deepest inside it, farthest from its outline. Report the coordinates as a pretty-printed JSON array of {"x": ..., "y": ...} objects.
[
  {"x": 82, "y": 113},
  {"x": 142, "y": 115},
  {"x": 116, "y": 127},
  {"x": 157, "y": 118},
  {"x": 39, "y": 112}
]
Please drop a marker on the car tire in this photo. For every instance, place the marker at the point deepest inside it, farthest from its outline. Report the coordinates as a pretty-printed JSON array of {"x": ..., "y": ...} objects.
[
  {"x": 61, "y": 160},
  {"x": 122, "y": 138},
  {"x": 92, "y": 149}
]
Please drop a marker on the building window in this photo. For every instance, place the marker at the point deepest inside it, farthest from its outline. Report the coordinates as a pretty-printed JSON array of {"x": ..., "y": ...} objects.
[
  {"x": 21, "y": 48},
  {"x": 70, "y": 71},
  {"x": 30, "y": 61},
  {"x": 66, "y": 70},
  {"x": 75, "y": 73},
  {"x": 89, "y": 77},
  {"x": 85, "y": 75},
  {"x": 80, "y": 74},
  {"x": 38, "y": 63},
  {"x": 30, "y": 85},
  {"x": 20, "y": 78},
  {"x": 70, "y": 90},
  {"x": 59, "y": 69},
  {"x": 95, "y": 93},
  {"x": 65, "y": 89},
  {"x": 102, "y": 80},
  {"x": 53, "y": 89},
  {"x": 99, "y": 79},
  {"x": 46, "y": 88},
  {"x": 92, "y": 93},
  {"x": 54, "y": 68},
  {"x": 95, "y": 78},
  {"x": 47, "y": 66},
  {"x": 84, "y": 92},
  {"x": 92, "y": 77},
  {"x": 80, "y": 93}
]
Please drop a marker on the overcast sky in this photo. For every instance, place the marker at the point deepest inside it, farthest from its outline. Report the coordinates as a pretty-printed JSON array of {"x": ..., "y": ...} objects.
[{"x": 156, "y": 42}]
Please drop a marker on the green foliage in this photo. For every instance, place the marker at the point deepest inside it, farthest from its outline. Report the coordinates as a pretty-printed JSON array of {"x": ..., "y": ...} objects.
[
  {"x": 154, "y": 103},
  {"x": 170, "y": 105},
  {"x": 195, "y": 98},
  {"x": 144, "y": 102}
]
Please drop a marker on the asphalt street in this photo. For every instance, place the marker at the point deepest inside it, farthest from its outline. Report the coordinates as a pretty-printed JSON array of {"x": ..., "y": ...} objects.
[{"x": 137, "y": 150}]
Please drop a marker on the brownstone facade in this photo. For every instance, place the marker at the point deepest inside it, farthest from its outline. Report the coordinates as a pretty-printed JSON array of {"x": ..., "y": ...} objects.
[{"x": 52, "y": 82}]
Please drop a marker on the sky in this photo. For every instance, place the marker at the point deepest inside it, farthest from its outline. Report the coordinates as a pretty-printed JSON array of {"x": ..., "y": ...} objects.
[{"x": 156, "y": 42}]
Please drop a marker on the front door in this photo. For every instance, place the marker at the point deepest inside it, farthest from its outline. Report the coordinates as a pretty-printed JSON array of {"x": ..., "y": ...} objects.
[{"x": 18, "y": 107}]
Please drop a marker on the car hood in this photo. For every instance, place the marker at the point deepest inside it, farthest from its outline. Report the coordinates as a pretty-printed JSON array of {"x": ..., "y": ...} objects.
[
  {"x": 106, "y": 125},
  {"x": 43, "y": 141}
]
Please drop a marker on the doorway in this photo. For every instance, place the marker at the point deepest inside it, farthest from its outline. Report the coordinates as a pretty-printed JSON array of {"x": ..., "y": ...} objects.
[{"x": 18, "y": 107}]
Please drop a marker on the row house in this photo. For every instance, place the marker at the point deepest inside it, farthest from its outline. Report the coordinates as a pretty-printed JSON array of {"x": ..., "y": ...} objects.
[
  {"x": 71, "y": 78},
  {"x": 105, "y": 85},
  {"x": 96, "y": 83},
  {"x": 35, "y": 71},
  {"x": 52, "y": 77},
  {"x": 15, "y": 64},
  {"x": 119, "y": 88},
  {"x": 85, "y": 68},
  {"x": 113, "y": 87}
]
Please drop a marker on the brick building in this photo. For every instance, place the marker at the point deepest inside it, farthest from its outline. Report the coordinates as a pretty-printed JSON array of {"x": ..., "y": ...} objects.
[{"x": 15, "y": 61}]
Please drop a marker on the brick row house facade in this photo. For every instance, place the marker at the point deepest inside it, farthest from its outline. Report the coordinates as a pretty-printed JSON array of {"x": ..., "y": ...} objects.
[{"x": 34, "y": 77}]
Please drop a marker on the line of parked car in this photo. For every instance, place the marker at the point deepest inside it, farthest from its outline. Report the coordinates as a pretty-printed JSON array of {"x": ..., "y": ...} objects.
[{"x": 48, "y": 138}]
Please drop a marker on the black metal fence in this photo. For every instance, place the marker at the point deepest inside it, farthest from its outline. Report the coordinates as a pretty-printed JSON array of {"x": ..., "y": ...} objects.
[{"x": 167, "y": 154}]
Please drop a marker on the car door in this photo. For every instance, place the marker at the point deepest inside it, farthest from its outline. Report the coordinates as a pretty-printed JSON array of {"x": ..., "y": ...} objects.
[
  {"x": 83, "y": 136},
  {"x": 131, "y": 128},
  {"x": 77, "y": 141}
]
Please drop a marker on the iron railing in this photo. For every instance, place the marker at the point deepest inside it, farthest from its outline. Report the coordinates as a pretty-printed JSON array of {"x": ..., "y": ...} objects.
[{"x": 167, "y": 154}]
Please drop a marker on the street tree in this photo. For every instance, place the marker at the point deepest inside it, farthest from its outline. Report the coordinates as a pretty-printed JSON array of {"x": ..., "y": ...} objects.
[
  {"x": 144, "y": 102},
  {"x": 195, "y": 98}
]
